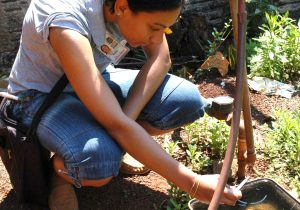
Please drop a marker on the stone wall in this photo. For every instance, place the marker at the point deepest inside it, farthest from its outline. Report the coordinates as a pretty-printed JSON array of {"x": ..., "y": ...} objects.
[
  {"x": 11, "y": 16},
  {"x": 293, "y": 6},
  {"x": 199, "y": 17}
]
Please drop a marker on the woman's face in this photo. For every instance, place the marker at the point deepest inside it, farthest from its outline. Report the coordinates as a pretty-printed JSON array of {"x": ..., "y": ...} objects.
[{"x": 143, "y": 28}]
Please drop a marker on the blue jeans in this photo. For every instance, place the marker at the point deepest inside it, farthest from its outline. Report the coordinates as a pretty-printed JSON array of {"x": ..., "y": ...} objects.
[{"x": 89, "y": 152}]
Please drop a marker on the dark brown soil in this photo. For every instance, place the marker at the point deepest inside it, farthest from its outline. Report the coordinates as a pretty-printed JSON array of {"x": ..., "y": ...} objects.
[{"x": 150, "y": 191}]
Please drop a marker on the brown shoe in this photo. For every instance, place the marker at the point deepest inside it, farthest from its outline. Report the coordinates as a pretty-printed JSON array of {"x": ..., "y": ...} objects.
[
  {"x": 132, "y": 166},
  {"x": 62, "y": 195}
]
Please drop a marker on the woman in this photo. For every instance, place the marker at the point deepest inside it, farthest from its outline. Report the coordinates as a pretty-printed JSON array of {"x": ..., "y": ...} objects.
[{"x": 105, "y": 111}]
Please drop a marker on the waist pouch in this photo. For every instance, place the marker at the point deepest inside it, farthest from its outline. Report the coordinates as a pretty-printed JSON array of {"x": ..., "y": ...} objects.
[{"x": 26, "y": 161}]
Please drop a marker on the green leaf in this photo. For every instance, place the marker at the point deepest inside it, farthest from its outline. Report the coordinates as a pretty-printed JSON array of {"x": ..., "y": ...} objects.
[
  {"x": 283, "y": 59},
  {"x": 257, "y": 11},
  {"x": 271, "y": 55}
]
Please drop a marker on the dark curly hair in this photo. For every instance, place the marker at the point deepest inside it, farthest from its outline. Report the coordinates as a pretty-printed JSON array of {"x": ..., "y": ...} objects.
[{"x": 148, "y": 5}]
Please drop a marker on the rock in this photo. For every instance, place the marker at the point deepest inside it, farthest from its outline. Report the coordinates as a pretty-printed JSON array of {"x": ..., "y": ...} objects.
[
  {"x": 193, "y": 30},
  {"x": 3, "y": 84},
  {"x": 293, "y": 6}
]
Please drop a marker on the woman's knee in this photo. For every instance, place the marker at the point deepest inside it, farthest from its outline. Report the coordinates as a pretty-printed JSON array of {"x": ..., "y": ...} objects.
[
  {"x": 183, "y": 106},
  {"x": 190, "y": 99},
  {"x": 90, "y": 163},
  {"x": 96, "y": 183},
  {"x": 86, "y": 152},
  {"x": 59, "y": 168}
]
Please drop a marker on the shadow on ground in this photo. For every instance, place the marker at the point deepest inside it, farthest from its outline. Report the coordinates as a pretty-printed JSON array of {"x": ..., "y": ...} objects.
[{"x": 121, "y": 193}]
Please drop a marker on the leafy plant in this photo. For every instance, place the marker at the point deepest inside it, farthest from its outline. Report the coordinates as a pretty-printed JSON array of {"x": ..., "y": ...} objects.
[
  {"x": 171, "y": 147},
  {"x": 206, "y": 140},
  {"x": 196, "y": 159},
  {"x": 178, "y": 198},
  {"x": 278, "y": 54},
  {"x": 256, "y": 10},
  {"x": 231, "y": 51},
  {"x": 219, "y": 37},
  {"x": 186, "y": 73},
  {"x": 219, "y": 135},
  {"x": 256, "y": 16},
  {"x": 283, "y": 145},
  {"x": 222, "y": 42},
  {"x": 214, "y": 135},
  {"x": 251, "y": 45},
  {"x": 192, "y": 152}
]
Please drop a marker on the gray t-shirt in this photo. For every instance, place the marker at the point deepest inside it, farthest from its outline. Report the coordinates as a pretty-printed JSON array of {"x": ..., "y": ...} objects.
[{"x": 36, "y": 65}]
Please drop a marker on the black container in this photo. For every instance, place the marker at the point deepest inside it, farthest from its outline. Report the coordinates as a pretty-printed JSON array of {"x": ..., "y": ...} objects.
[{"x": 260, "y": 194}]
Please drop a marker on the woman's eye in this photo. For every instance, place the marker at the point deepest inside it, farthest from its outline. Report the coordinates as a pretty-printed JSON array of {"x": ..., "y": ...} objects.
[{"x": 155, "y": 29}]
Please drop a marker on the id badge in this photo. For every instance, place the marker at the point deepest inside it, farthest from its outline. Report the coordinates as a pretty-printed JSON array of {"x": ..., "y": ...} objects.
[{"x": 113, "y": 49}]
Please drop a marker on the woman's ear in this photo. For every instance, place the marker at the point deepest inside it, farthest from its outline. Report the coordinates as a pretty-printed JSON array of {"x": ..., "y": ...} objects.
[{"x": 120, "y": 7}]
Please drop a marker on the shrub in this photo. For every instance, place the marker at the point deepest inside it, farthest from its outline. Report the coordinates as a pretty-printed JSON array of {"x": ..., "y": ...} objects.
[
  {"x": 278, "y": 54},
  {"x": 206, "y": 140},
  {"x": 283, "y": 145}
]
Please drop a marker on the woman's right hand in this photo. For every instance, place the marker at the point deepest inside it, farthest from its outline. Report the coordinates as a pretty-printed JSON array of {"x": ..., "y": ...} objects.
[{"x": 205, "y": 185}]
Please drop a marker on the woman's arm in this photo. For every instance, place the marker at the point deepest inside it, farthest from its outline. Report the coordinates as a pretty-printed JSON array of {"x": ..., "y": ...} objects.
[
  {"x": 76, "y": 57},
  {"x": 149, "y": 78}
]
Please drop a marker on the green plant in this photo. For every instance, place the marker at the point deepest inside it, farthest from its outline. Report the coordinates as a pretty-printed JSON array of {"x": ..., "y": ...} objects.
[
  {"x": 221, "y": 42},
  {"x": 178, "y": 198},
  {"x": 206, "y": 140},
  {"x": 197, "y": 159},
  {"x": 208, "y": 136},
  {"x": 231, "y": 51},
  {"x": 192, "y": 152},
  {"x": 186, "y": 73},
  {"x": 176, "y": 206},
  {"x": 214, "y": 135},
  {"x": 219, "y": 37},
  {"x": 283, "y": 145},
  {"x": 250, "y": 49},
  {"x": 256, "y": 10},
  {"x": 219, "y": 135},
  {"x": 171, "y": 147},
  {"x": 278, "y": 54}
]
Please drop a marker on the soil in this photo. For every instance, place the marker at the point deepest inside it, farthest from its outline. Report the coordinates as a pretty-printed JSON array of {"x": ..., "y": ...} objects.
[{"x": 150, "y": 191}]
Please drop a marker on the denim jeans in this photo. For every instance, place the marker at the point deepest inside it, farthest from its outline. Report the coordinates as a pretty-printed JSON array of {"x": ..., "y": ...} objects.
[{"x": 89, "y": 152}]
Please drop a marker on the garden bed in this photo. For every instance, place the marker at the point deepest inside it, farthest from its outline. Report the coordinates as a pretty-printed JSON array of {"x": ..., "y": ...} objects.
[{"x": 150, "y": 191}]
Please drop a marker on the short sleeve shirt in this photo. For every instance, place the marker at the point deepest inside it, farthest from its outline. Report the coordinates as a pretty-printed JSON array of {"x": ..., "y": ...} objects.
[{"x": 36, "y": 65}]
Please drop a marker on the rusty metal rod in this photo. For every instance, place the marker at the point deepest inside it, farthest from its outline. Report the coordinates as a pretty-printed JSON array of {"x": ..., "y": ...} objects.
[
  {"x": 251, "y": 155},
  {"x": 237, "y": 106},
  {"x": 242, "y": 150}
]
